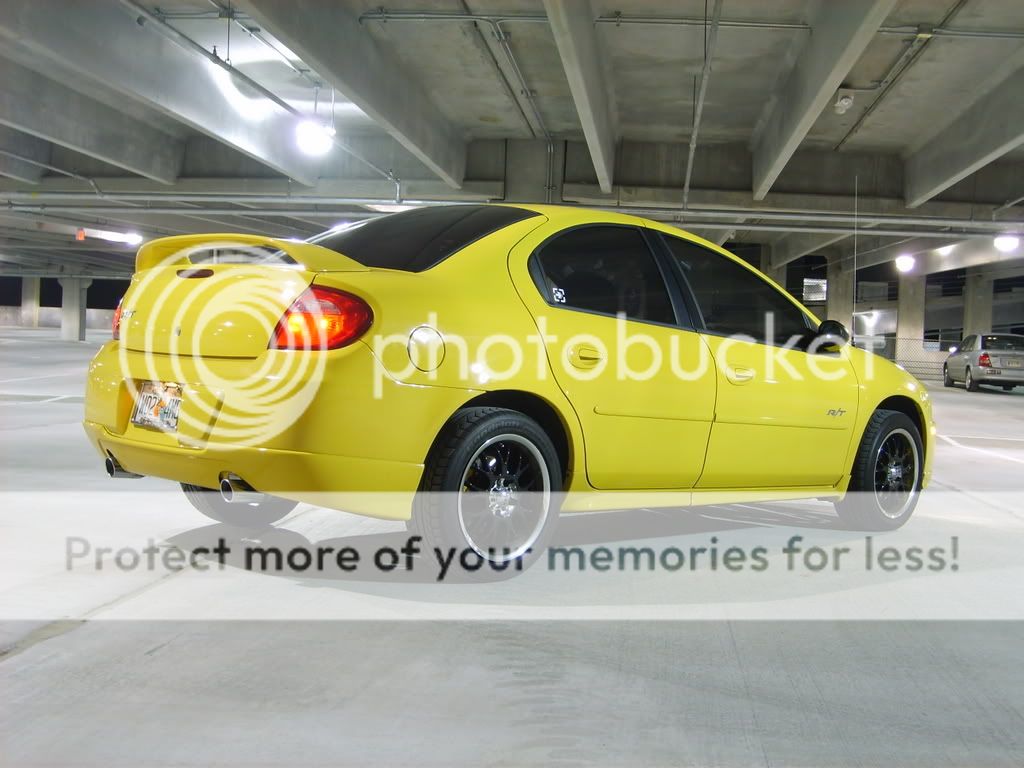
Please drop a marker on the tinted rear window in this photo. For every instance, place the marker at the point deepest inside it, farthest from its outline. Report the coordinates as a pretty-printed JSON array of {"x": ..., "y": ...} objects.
[
  {"x": 416, "y": 240},
  {"x": 1007, "y": 343}
]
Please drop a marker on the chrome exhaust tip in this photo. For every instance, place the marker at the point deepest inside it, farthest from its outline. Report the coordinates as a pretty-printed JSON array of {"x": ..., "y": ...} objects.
[
  {"x": 234, "y": 490},
  {"x": 116, "y": 471}
]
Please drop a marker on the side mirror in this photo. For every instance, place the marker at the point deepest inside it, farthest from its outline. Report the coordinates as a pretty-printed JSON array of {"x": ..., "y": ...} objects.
[{"x": 831, "y": 336}]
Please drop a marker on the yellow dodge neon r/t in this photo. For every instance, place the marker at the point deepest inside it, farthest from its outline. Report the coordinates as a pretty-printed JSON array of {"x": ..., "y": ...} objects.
[{"x": 487, "y": 367}]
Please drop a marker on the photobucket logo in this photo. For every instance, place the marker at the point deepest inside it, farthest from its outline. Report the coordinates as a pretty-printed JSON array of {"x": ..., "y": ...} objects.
[
  {"x": 203, "y": 334},
  {"x": 626, "y": 352}
]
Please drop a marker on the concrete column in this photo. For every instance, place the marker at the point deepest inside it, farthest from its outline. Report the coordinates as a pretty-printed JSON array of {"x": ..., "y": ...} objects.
[
  {"x": 977, "y": 303},
  {"x": 72, "y": 308},
  {"x": 839, "y": 295},
  {"x": 910, "y": 308},
  {"x": 778, "y": 274},
  {"x": 30, "y": 302}
]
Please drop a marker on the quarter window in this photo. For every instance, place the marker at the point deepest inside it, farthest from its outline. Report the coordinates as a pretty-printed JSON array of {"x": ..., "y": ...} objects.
[
  {"x": 604, "y": 269},
  {"x": 735, "y": 300}
]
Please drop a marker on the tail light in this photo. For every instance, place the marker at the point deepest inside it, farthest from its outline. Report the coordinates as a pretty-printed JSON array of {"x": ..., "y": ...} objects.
[
  {"x": 322, "y": 318},
  {"x": 115, "y": 326},
  {"x": 984, "y": 360}
]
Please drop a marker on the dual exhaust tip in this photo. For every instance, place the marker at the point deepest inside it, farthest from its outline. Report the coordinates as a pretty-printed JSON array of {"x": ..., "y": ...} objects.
[{"x": 233, "y": 489}]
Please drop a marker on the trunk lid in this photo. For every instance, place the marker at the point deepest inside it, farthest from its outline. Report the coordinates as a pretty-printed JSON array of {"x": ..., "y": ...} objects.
[{"x": 217, "y": 295}]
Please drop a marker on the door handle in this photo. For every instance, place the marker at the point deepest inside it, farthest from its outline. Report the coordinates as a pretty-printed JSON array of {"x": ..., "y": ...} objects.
[
  {"x": 739, "y": 375},
  {"x": 584, "y": 356}
]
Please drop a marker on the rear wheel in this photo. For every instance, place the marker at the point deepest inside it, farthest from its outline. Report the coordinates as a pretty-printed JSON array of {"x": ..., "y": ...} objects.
[
  {"x": 886, "y": 480},
  {"x": 947, "y": 380},
  {"x": 970, "y": 383},
  {"x": 489, "y": 496},
  {"x": 242, "y": 515}
]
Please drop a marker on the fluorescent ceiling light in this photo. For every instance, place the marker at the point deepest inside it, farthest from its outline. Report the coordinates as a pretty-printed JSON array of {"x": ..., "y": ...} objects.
[
  {"x": 391, "y": 207},
  {"x": 313, "y": 138},
  {"x": 128, "y": 238},
  {"x": 905, "y": 262},
  {"x": 1006, "y": 243}
]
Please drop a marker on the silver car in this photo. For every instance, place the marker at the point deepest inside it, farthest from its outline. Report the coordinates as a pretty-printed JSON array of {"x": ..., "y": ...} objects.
[{"x": 995, "y": 359}]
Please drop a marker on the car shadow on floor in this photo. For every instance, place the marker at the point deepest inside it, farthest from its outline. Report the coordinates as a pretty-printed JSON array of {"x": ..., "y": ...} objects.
[{"x": 268, "y": 551}]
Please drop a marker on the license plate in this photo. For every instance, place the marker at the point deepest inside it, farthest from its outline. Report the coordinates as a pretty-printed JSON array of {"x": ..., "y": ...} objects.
[
  {"x": 158, "y": 405},
  {"x": 1011, "y": 362}
]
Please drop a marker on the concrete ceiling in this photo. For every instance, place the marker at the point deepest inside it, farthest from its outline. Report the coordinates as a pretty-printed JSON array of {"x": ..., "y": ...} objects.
[{"x": 180, "y": 115}]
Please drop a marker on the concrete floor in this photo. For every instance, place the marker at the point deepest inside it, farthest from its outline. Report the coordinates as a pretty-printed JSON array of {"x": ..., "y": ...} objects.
[{"x": 144, "y": 669}]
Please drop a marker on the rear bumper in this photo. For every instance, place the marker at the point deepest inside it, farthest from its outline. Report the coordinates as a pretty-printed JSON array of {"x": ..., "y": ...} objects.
[
  {"x": 357, "y": 443},
  {"x": 339, "y": 482},
  {"x": 1004, "y": 376}
]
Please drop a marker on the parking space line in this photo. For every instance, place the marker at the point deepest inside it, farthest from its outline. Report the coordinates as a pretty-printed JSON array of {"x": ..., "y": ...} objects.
[
  {"x": 36, "y": 378},
  {"x": 994, "y": 454},
  {"x": 985, "y": 437}
]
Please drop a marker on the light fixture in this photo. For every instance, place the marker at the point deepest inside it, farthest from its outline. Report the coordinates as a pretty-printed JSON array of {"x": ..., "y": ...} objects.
[
  {"x": 1006, "y": 243},
  {"x": 391, "y": 207},
  {"x": 128, "y": 238},
  {"x": 905, "y": 262},
  {"x": 313, "y": 138},
  {"x": 843, "y": 103},
  {"x": 945, "y": 250}
]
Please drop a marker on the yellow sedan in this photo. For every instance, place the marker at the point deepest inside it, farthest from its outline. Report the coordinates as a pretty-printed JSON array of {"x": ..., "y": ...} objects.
[{"x": 479, "y": 369}]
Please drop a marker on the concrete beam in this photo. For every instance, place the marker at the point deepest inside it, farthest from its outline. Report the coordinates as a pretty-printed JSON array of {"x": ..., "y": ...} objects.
[
  {"x": 985, "y": 131},
  {"x": 874, "y": 250},
  {"x": 974, "y": 253},
  {"x": 28, "y": 147},
  {"x": 839, "y": 34},
  {"x": 150, "y": 68},
  {"x": 793, "y": 246},
  {"x": 330, "y": 40},
  {"x": 572, "y": 22},
  {"x": 47, "y": 110}
]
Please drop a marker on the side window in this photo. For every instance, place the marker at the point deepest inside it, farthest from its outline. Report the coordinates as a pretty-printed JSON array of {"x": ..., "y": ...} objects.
[
  {"x": 967, "y": 344},
  {"x": 735, "y": 300},
  {"x": 603, "y": 269}
]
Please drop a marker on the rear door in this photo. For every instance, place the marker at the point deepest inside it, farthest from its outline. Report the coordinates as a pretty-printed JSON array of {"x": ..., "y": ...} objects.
[{"x": 612, "y": 326}]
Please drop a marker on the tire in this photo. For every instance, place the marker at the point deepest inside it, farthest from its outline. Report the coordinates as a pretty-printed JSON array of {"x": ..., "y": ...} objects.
[
  {"x": 885, "y": 483},
  {"x": 490, "y": 494},
  {"x": 947, "y": 380},
  {"x": 969, "y": 382},
  {"x": 255, "y": 515},
  {"x": 1008, "y": 387}
]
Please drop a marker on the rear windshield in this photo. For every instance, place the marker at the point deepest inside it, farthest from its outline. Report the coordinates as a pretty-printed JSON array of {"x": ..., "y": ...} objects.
[
  {"x": 1003, "y": 343},
  {"x": 416, "y": 240}
]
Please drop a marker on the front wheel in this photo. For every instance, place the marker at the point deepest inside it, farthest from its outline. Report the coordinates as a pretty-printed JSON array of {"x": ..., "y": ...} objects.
[
  {"x": 259, "y": 514},
  {"x": 947, "y": 380},
  {"x": 490, "y": 493},
  {"x": 886, "y": 480}
]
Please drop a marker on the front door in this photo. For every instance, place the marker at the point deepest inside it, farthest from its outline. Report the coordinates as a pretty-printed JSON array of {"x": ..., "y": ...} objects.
[{"x": 783, "y": 416}]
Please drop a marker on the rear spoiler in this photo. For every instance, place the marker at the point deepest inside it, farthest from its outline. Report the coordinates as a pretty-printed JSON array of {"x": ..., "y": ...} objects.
[{"x": 175, "y": 251}]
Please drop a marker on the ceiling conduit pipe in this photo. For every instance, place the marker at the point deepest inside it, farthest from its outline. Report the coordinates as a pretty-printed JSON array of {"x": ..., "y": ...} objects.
[
  {"x": 711, "y": 37},
  {"x": 58, "y": 200},
  {"x": 502, "y": 37},
  {"x": 620, "y": 19}
]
